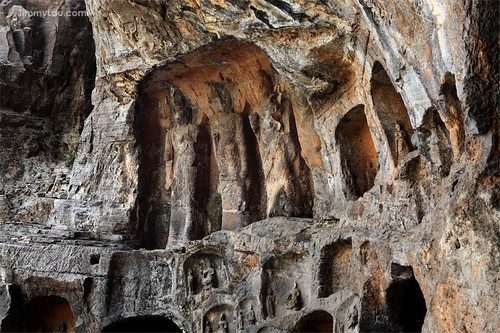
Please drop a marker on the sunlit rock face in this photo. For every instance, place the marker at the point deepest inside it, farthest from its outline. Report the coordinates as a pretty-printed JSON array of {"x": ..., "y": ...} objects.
[{"x": 249, "y": 166}]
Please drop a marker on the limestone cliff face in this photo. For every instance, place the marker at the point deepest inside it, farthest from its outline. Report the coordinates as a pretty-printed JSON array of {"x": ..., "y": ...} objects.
[{"x": 257, "y": 166}]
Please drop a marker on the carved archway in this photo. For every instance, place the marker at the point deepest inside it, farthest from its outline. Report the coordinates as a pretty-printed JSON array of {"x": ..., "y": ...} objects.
[
  {"x": 219, "y": 146},
  {"x": 49, "y": 314},
  {"x": 318, "y": 321},
  {"x": 143, "y": 324}
]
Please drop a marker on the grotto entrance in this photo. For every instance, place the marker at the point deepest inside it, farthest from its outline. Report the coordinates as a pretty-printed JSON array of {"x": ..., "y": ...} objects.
[
  {"x": 143, "y": 324},
  {"x": 358, "y": 157},
  {"x": 405, "y": 301},
  {"x": 219, "y": 146},
  {"x": 317, "y": 321},
  {"x": 49, "y": 314}
]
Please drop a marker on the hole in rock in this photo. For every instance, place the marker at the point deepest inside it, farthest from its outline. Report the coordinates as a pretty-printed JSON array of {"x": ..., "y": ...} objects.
[
  {"x": 94, "y": 259},
  {"x": 357, "y": 153},
  {"x": 50, "y": 314},
  {"x": 143, "y": 324},
  {"x": 391, "y": 112},
  {"x": 317, "y": 321},
  {"x": 405, "y": 301}
]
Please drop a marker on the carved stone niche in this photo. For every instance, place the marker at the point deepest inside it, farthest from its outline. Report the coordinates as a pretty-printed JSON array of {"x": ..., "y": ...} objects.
[
  {"x": 434, "y": 143},
  {"x": 218, "y": 146},
  {"x": 208, "y": 272},
  {"x": 391, "y": 111},
  {"x": 335, "y": 268},
  {"x": 129, "y": 283},
  {"x": 359, "y": 163},
  {"x": 220, "y": 319},
  {"x": 287, "y": 277}
]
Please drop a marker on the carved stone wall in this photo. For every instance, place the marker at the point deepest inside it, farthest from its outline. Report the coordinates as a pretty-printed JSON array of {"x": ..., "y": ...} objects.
[{"x": 249, "y": 166}]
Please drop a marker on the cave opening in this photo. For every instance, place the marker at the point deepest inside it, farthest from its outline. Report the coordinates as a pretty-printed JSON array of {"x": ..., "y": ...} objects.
[
  {"x": 392, "y": 114},
  {"x": 49, "y": 314},
  {"x": 143, "y": 324},
  {"x": 359, "y": 162},
  {"x": 315, "y": 322},
  {"x": 405, "y": 301}
]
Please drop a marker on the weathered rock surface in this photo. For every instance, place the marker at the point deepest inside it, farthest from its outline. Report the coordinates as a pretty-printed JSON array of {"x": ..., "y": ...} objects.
[{"x": 256, "y": 166}]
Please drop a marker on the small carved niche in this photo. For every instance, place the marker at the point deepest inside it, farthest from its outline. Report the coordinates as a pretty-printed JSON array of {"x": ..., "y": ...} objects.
[
  {"x": 207, "y": 271},
  {"x": 359, "y": 163},
  {"x": 220, "y": 319},
  {"x": 50, "y": 314},
  {"x": 283, "y": 276},
  {"x": 128, "y": 281},
  {"x": 392, "y": 113},
  {"x": 335, "y": 267}
]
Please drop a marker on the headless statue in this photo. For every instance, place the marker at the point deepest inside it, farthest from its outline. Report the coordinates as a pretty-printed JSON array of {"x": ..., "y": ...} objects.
[
  {"x": 181, "y": 170},
  {"x": 231, "y": 155}
]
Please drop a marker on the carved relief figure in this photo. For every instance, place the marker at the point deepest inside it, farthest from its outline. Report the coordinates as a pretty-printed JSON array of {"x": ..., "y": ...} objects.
[
  {"x": 241, "y": 321},
  {"x": 231, "y": 154},
  {"x": 208, "y": 327},
  {"x": 401, "y": 143},
  {"x": 207, "y": 279},
  {"x": 293, "y": 301},
  {"x": 270, "y": 301},
  {"x": 181, "y": 169},
  {"x": 222, "y": 327},
  {"x": 190, "y": 282},
  {"x": 284, "y": 170},
  {"x": 251, "y": 316}
]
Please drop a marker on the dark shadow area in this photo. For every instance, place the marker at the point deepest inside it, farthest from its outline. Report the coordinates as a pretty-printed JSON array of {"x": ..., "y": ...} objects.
[
  {"x": 357, "y": 153},
  {"x": 317, "y": 321},
  {"x": 14, "y": 321},
  {"x": 143, "y": 324},
  {"x": 405, "y": 302},
  {"x": 49, "y": 314}
]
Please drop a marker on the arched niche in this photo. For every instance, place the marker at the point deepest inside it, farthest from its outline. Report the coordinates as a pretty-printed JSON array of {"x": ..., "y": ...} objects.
[
  {"x": 204, "y": 271},
  {"x": 335, "y": 267},
  {"x": 359, "y": 163},
  {"x": 219, "y": 147},
  {"x": 405, "y": 301},
  {"x": 220, "y": 318},
  {"x": 392, "y": 114},
  {"x": 143, "y": 324},
  {"x": 286, "y": 284},
  {"x": 318, "y": 321},
  {"x": 434, "y": 143},
  {"x": 49, "y": 314}
]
